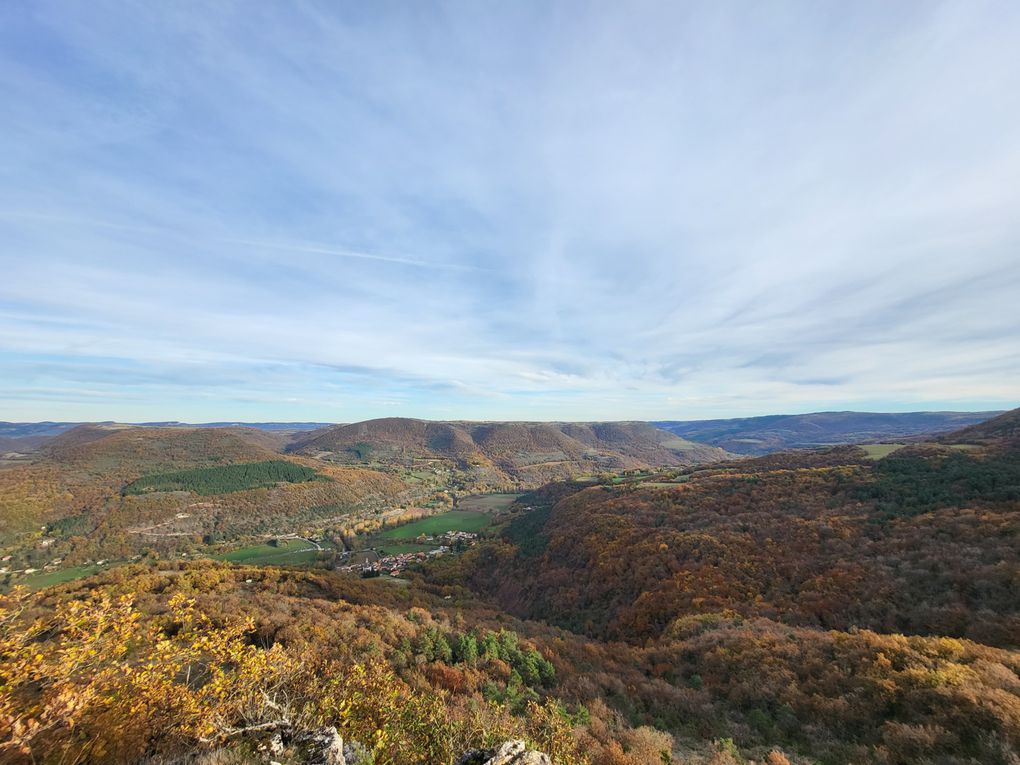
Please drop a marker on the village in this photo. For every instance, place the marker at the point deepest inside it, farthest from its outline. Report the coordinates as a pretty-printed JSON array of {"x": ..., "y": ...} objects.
[
  {"x": 395, "y": 564},
  {"x": 387, "y": 551}
]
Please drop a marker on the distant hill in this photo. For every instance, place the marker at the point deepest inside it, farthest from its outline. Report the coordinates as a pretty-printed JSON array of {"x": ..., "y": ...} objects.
[
  {"x": 74, "y": 486},
  {"x": 921, "y": 541},
  {"x": 295, "y": 426},
  {"x": 125, "y": 447},
  {"x": 1001, "y": 430},
  {"x": 25, "y": 429},
  {"x": 30, "y": 436},
  {"x": 529, "y": 453},
  {"x": 762, "y": 435}
]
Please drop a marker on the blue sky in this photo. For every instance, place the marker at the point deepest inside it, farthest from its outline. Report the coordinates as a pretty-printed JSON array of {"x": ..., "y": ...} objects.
[{"x": 483, "y": 210}]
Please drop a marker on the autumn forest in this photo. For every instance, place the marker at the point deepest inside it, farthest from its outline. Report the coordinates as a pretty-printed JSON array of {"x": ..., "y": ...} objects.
[{"x": 840, "y": 604}]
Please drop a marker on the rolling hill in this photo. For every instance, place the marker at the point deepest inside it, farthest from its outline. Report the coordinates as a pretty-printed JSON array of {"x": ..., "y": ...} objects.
[
  {"x": 522, "y": 453},
  {"x": 796, "y": 586},
  {"x": 811, "y": 606},
  {"x": 72, "y": 501},
  {"x": 126, "y": 447},
  {"x": 761, "y": 435},
  {"x": 26, "y": 437},
  {"x": 1003, "y": 430}
]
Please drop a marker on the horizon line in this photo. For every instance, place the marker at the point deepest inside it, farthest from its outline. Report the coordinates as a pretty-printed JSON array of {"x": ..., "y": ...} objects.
[{"x": 227, "y": 423}]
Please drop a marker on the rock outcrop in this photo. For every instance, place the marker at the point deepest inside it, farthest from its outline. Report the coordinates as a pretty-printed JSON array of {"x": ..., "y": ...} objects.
[
  {"x": 508, "y": 753},
  {"x": 325, "y": 746}
]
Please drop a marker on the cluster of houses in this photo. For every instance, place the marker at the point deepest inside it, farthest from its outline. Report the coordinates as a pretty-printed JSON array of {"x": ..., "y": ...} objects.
[
  {"x": 394, "y": 565},
  {"x": 51, "y": 566},
  {"x": 451, "y": 538}
]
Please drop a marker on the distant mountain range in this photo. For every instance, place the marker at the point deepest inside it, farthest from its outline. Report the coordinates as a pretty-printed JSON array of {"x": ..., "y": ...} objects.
[
  {"x": 763, "y": 435},
  {"x": 256, "y": 425},
  {"x": 29, "y": 436},
  {"x": 519, "y": 449}
]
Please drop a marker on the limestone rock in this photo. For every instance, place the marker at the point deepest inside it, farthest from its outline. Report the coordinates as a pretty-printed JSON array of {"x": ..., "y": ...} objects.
[
  {"x": 276, "y": 744},
  {"x": 327, "y": 747},
  {"x": 508, "y": 753}
]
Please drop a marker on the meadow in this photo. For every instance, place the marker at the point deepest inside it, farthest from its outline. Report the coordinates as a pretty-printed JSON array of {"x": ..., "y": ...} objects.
[
  {"x": 49, "y": 578},
  {"x": 453, "y": 520},
  {"x": 290, "y": 552},
  {"x": 878, "y": 451},
  {"x": 487, "y": 503}
]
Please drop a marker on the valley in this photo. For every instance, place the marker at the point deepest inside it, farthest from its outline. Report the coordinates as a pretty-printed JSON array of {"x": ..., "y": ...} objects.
[
  {"x": 510, "y": 383},
  {"x": 831, "y": 605},
  {"x": 115, "y": 492}
]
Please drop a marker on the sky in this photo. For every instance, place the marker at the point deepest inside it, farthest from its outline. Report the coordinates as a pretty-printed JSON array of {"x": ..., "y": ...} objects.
[{"x": 333, "y": 211}]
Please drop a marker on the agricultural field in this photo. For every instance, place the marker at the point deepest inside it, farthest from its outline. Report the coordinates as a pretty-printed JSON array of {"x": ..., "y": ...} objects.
[
  {"x": 61, "y": 575},
  {"x": 289, "y": 552},
  {"x": 878, "y": 451},
  {"x": 453, "y": 520},
  {"x": 487, "y": 503}
]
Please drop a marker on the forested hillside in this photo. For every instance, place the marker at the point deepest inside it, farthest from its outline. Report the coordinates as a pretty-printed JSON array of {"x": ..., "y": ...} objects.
[
  {"x": 799, "y": 586},
  {"x": 112, "y": 492},
  {"x": 425, "y": 671},
  {"x": 1000, "y": 431},
  {"x": 411, "y": 676},
  {"x": 30, "y": 436},
  {"x": 504, "y": 454},
  {"x": 924, "y": 544},
  {"x": 816, "y": 607},
  {"x": 123, "y": 448}
]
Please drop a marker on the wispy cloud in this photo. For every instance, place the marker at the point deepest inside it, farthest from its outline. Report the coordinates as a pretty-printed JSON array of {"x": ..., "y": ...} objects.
[
  {"x": 292, "y": 247},
  {"x": 323, "y": 211}
]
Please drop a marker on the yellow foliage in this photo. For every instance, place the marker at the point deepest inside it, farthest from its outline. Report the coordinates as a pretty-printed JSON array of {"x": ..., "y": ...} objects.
[
  {"x": 109, "y": 683},
  {"x": 97, "y": 681}
]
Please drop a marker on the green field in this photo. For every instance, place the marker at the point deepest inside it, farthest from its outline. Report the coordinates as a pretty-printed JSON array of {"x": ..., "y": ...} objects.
[
  {"x": 289, "y": 552},
  {"x": 224, "y": 478},
  {"x": 487, "y": 503},
  {"x": 877, "y": 451},
  {"x": 61, "y": 575},
  {"x": 453, "y": 520}
]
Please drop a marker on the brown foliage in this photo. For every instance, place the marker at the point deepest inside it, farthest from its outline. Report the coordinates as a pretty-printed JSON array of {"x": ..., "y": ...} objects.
[{"x": 787, "y": 544}]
